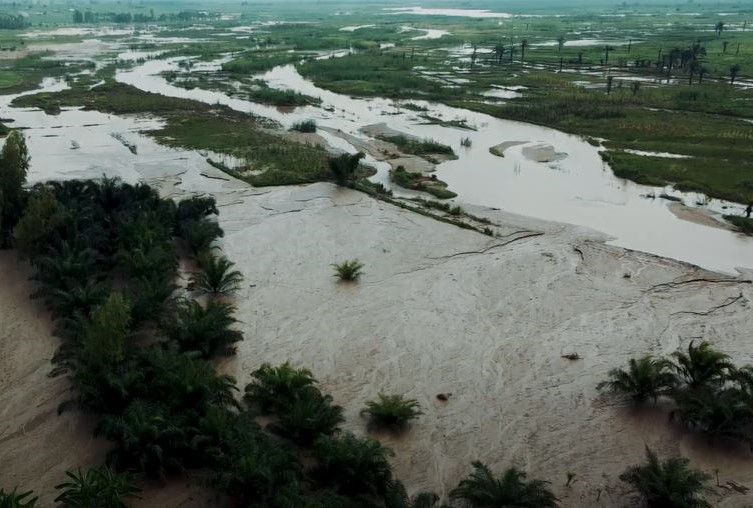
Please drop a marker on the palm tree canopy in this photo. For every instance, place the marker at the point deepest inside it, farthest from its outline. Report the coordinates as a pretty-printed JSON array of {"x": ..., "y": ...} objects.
[
  {"x": 702, "y": 365},
  {"x": 646, "y": 378},
  {"x": 482, "y": 490},
  {"x": 668, "y": 484}
]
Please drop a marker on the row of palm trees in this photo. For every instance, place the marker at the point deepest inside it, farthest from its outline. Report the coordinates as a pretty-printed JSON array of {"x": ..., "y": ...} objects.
[{"x": 710, "y": 394}]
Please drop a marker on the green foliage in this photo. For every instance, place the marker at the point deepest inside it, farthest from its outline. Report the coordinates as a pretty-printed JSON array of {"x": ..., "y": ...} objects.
[
  {"x": 200, "y": 234},
  {"x": 702, "y": 366},
  {"x": 256, "y": 470},
  {"x": 41, "y": 217},
  {"x": 107, "y": 331},
  {"x": 417, "y": 181},
  {"x": 645, "y": 379},
  {"x": 96, "y": 488},
  {"x": 481, "y": 489},
  {"x": 392, "y": 411},
  {"x": 743, "y": 224},
  {"x": 146, "y": 440},
  {"x": 15, "y": 499},
  {"x": 274, "y": 388},
  {"x": 419, "y": 146},
  {"x": 215, "y": 276},
  {"x": 204, "y": 329},
  {"x": 343, "y": 167},
  {"x": 667, "y": 484},
  {"x": 353, "y": 466},
  {"x": 14, "y": 164},
  {"x": 304, "y": 126},
  {"x": 348, "y": 271},
  {"x": 310, "y": 415}
]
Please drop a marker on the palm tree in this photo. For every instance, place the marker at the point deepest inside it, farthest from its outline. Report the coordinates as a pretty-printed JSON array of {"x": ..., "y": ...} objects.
[
  {"x": 275, "y": 387},
  {"x": 216, "y": 276},
  {"x": 645, "y": 379},
  {"x": 482, "y": 490},
  {"x": 523, "y": 47},
  {"x": 719, "y": 28},
  {"x": 702, "y": 71},
  {"x": 733, "y": 72},
  {"x": 15, "y": 499},
  {"x": 702, "y": 366},
  {"x": 560, "y": 43},
  {"x": 145, "y": 440},
  {"x": 353, "y": 466},
  {"x": 344, "y": 167},
  {"x": 96, "y": 488},
  {"x": 204, "y": 329},
  {"x": 309, "y": 416},
  {"x": 257, "y": 469},
  {"x": 607, "y": 50},
  {"x": 718, "y": 413},
  {"x": 499, "y": 52},
  {"x": 668, "y": 484},
  {"x": 200, "y": 234},
  {"x": 392, "y": 411}
]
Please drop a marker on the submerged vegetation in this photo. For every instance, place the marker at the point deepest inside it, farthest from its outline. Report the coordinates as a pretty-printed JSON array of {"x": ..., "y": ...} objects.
[
  {"x": 711, "y": 395},
  {"x": 348, "y": 271},
  {"x": 393, "y": 411}
]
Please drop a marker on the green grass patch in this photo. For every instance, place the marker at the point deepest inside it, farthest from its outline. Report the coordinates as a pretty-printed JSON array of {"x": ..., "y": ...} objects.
[
  {"x": 421, "y": 147},
  {"x": 418, "y": 182}
]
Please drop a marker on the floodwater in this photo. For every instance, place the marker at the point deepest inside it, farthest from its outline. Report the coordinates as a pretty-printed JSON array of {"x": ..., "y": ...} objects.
[
  {"x": 465, "y": 13},
  {"x": 578, "y": 189}
]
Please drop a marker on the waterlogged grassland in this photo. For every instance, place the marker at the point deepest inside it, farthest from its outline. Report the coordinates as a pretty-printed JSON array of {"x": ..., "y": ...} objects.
[
  {"x": 270, "y": 159},
  {"x": 617, "y": 86},
  {"x": 609, "y": 73}
]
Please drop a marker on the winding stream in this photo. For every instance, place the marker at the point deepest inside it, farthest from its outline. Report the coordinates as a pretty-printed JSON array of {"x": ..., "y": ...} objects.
[{"x": 577, "y": 189}]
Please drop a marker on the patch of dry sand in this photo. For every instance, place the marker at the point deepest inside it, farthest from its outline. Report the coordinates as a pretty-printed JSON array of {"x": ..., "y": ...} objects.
[
  {"x": 439, "y": 310},
  {"x": 698, "y": 216}
]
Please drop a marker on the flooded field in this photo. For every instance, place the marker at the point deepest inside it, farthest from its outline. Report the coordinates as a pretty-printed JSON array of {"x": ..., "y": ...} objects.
[
  {"x": 576, "y": 188},
  {"x": 481, "y": 212}
]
